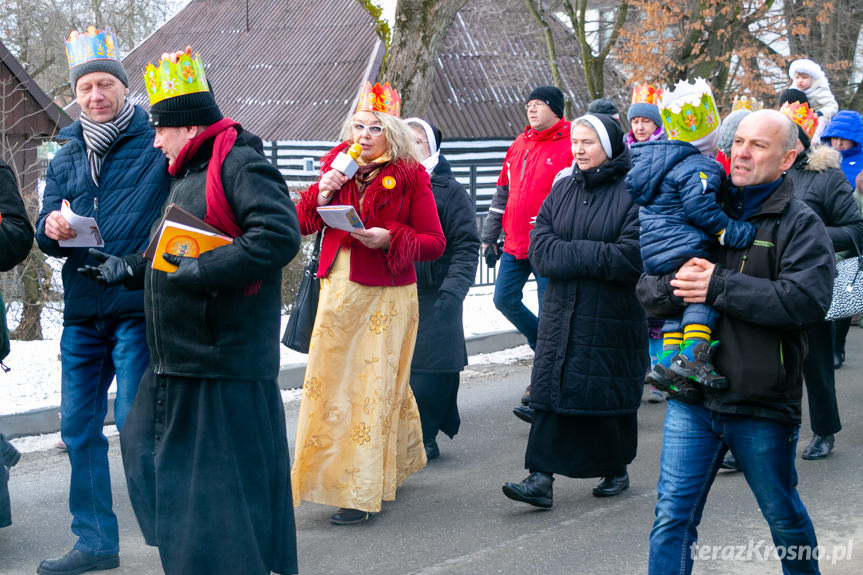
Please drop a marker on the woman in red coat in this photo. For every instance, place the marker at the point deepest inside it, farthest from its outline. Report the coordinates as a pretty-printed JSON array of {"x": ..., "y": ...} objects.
[{"x": 359, "y": 435}]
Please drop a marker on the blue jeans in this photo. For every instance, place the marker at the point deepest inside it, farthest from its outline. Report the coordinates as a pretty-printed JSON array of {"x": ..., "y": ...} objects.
[
  {"x": 693, "y": 445},
  {"x": 92, "y": 353},
  {"x": 512, "y": 274}
]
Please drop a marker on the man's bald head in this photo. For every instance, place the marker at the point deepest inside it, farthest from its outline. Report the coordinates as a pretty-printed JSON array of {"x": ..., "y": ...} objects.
[{"x": 764, "y": 147}]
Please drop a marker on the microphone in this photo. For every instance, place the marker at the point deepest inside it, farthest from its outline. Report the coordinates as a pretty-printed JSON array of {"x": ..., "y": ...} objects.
[{"x": 347, "y": 163}]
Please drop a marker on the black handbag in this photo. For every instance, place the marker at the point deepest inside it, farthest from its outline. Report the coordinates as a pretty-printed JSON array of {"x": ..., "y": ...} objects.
[
  {"x": 301, "y": 322},
  {"x": 847, "y": 287}
]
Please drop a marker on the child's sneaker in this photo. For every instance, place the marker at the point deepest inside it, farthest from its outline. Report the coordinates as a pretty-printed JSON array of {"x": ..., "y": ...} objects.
[
  {"x": 661, "y": 377},
  {"x": 694, "y": 362},
  {"x": 686, "y": 392},
  {"x": 655, "y": 396}
]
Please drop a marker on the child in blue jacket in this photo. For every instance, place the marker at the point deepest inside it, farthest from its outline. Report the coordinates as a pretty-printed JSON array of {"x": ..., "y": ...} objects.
[{"x": 675, "y": 183}]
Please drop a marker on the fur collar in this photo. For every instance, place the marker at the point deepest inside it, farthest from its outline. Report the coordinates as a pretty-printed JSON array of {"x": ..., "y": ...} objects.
[{"x": 821, "y": 158}]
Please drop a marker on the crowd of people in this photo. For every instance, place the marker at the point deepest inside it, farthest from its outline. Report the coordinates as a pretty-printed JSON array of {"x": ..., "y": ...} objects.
[{"x": 724, "y": 232}]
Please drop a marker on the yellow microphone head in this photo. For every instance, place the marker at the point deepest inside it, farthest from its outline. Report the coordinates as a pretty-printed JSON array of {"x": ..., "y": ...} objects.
[{"x": 355, "y": 150}]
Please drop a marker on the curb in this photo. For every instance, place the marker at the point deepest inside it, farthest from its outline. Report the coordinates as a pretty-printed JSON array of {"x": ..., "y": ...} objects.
[{"x": 45, "y": 420}]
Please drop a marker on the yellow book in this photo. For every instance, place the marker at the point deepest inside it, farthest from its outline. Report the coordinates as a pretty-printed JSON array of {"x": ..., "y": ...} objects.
[{"x": 181, "y": 240}]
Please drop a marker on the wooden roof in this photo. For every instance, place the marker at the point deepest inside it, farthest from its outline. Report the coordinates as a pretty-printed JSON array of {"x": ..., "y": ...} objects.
[
  {"x": 285, "y": 70},
  {"x": 37, "y": 116},
  {"x": 295, "y": 71}
]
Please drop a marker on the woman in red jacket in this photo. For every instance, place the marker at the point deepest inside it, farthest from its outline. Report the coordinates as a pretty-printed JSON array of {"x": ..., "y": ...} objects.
[{"x": 359, "y": 435}]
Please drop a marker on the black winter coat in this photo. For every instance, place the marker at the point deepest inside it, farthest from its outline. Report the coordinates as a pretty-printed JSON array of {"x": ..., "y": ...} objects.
[
  {"x": 222, "y": 333},
  {"x": 16, "y": 233},
  {"x": 591, "y": 350},
  {"x": 819, "y": 181},
  {"x": 767, "y": 295},
  {"x": 440, "y": 343}
]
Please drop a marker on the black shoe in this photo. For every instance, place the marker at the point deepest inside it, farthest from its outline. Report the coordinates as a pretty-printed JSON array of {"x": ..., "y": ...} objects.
[
  {"x": 8, "y": 454},
  {"x": 535, "y": 489},
  {"x": 432, "y": 451},
  {"x": 525, "y": 397},
  {"x": 523, "y": 413},
  {"x": 345, "y": 516},
  {"x": 729, "y": 462},
  {"x": 75, "y": 562},
  {"x": 838, "y": 359},
  {"x": 819, "y": 447},
  {"x": 610, "y": 486}
]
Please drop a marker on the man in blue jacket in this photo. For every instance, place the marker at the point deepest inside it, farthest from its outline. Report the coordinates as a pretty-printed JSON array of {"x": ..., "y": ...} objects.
[{"x": 108, "y": 170}]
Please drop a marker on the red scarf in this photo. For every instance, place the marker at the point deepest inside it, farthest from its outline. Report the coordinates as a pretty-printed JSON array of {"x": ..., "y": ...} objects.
[
  {"x": 224, "y": 134},
  {"x": 219, "y": 213}
]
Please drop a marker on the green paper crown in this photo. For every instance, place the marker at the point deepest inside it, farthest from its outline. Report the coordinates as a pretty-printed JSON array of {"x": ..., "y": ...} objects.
[
  {"x": 170, "y": 79},
  {"x": 689, "y": 112}
]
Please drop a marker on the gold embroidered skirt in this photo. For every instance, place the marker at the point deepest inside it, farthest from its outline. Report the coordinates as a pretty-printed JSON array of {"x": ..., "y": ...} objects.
[{"x": 359, "y": 434}]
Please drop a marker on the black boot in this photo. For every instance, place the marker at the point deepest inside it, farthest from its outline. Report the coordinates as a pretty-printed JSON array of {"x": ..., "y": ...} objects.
[
  {"x": 819, "y": 447},
  {"x": 345, "y": 516},
  {"x": 523, "y": 413},
  {"x": 612, "y": 485},
  {"x": 432, "y": 450},
  {"x": 535, "y": 489},
  {"x": 76, "y": 562}
]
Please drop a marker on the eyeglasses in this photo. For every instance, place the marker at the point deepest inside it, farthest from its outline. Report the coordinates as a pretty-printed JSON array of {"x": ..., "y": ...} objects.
[
  {"x": 534, "y": 104},
  {"x": 374, "y": 129}
]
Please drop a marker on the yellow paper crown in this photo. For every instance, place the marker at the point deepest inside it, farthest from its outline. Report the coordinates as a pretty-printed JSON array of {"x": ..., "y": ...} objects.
[
  {"x": 379, "y": 98},
  {"x": 746, "y": 103},
  {"x": 646, "y": 94},
  {"x": 170, "y": 79},
  {"x": 802, "y": 115},
  {"x": 93, "y": 44}
]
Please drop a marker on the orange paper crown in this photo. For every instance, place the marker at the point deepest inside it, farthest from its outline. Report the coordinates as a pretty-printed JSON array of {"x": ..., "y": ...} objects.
[
  {"x": 379, "y": 98},
  {"x": 646, "y": 94},
  {"x": 802, "y": 115}
]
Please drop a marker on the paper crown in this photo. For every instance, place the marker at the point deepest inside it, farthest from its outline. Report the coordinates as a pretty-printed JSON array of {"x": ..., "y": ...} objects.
[
  {"x": 802, "y": 115},
  {"x": 379, "y": 98},
  {"x": 93, "y": 44},
  {"x": 646, "y": 94},
  {"x": 170, "y": 79},
  {"x": 689, "y": 111},
  {"x": 746, "y": 103}
]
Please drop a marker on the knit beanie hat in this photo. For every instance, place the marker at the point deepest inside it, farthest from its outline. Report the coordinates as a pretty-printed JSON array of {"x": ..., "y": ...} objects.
[
  {"x": 609, "y": 131},
  {"x": 604, "y": 106},
  {"x": 552, "y": 96},
  {"x": 93, "y": 51},
  {"x": 197, "y": 109},
  {"x": 806, "y": 66},
  {"x": 649, "y": 111},
  {"x": 793, "y": 95},
  {"x": 728, "y": 129}
]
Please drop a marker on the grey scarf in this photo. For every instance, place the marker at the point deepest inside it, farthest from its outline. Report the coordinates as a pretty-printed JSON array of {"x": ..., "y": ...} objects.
[{"x": 99, "y": 137}]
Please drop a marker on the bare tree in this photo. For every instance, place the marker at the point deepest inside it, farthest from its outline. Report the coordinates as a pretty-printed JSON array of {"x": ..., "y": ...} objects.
[{"x": 420, "y": 29}]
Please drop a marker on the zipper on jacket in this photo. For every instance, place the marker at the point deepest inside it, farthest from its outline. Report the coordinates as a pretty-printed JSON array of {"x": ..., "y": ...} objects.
[{"x": 523, "y": 166}]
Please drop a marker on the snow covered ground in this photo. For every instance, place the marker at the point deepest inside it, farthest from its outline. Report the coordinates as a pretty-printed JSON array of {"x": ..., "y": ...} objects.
[{"x": 33, "y": 381}]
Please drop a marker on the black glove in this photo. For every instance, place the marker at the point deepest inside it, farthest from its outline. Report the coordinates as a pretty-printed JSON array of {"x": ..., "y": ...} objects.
[
  {"x": 112, "y": 271},
  {"x": 188, "y": 273},
  {"x": 490, "y": 254},
  {"x": 447, "y": 304}
]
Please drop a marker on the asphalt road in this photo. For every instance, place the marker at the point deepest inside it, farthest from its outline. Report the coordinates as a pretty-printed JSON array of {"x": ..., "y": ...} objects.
[{"x": 451, "y": 518}]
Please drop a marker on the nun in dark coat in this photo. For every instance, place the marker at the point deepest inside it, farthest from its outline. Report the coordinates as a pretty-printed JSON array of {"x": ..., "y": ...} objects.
[
  {"x": 442, "y": 285},
  {"x": 591, "y": 351}
]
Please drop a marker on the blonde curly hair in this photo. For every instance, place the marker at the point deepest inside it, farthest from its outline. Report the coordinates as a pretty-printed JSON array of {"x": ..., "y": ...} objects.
[{"x": 400, "y": 139}]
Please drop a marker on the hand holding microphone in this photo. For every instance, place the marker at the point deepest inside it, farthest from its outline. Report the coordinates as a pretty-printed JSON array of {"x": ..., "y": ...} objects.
[{"x": 344, "y": 167}]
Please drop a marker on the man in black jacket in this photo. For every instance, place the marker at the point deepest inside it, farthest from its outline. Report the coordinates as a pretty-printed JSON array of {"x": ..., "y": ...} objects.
[
  {"x": 205, "y": 448},
  {"x": 767, "y": 295}
]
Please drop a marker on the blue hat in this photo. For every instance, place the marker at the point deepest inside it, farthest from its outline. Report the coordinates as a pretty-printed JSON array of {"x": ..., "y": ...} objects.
[
  {"x": 644, "y": 110},
  {"x": 845, "y": 124}
]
